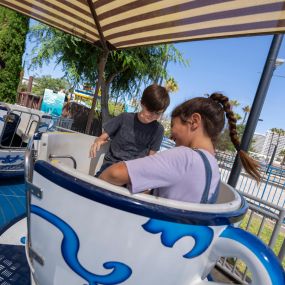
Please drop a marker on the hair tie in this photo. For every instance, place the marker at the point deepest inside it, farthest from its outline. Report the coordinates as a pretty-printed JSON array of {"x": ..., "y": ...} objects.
[{"x": 220, "y": 104}]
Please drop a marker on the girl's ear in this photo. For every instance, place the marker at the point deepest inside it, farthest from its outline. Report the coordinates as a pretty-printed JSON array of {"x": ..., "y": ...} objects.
[{"x": 195, "y": 121}]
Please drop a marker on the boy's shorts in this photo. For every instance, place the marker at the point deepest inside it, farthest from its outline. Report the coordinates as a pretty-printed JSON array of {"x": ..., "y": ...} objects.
[{"x": 104, "y": 166}]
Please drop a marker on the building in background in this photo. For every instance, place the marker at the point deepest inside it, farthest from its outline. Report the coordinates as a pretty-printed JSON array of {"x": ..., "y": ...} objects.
[
  {"x": 258, "y": 142},
  {"x": 270, "y": 143}
]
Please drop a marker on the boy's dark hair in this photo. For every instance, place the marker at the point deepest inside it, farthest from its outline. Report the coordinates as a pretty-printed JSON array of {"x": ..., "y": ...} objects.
[{"x": 155, "y": 98}]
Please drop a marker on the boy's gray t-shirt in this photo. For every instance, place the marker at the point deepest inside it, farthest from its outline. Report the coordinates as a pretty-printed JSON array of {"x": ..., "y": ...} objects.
[
  {"x": 178, "y": 174},
  {"x": 131, "y": 138}
]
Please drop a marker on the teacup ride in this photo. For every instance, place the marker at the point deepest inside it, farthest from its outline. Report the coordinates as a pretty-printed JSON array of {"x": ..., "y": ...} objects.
[
  {"x": 17, "y": 125},
  {"x": 82, "y": 230}
]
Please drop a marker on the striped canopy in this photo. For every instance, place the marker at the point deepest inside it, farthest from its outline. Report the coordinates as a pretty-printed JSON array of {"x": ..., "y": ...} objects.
[{"x": 128, "y": 23}]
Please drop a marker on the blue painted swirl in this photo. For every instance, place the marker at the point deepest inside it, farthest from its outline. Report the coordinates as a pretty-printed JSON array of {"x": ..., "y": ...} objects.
[
  {"x": 11, "y": 159},
  {"x": 70, "y": 247},
  {"x": 264, "y": 254},
  {"x": 172, "y": 232}
]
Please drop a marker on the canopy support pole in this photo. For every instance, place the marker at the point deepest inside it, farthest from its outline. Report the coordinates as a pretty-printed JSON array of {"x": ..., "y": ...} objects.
[
  {"x": 97, "y": 24},
  {"x": 257, "y": 105}
]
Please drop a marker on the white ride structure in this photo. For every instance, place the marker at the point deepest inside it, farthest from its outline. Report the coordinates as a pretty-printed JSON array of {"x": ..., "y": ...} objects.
[{"x": 82, "y": 230}]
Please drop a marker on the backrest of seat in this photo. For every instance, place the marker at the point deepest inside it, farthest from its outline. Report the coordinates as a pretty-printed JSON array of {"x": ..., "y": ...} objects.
[
  {"x": 11, "y": 121},
  {"x": 76, "y": 145},
  {"x": 226, "y": 194},
  {"x": 96, "y": 162},
  {"x": 3, "y": 112}
]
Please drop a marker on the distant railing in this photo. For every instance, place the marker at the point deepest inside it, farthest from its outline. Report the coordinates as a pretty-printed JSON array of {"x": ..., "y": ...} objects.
[
  {"x": 265, "y": 221},
  {"x": 266, "y": 211},
  {"x": 270, "y": 189},
  {"x": 62, "y": 123}
]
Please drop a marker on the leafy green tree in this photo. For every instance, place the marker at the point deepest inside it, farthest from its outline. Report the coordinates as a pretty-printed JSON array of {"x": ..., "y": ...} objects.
[
  {"x": 166, "y": 122},
  {"x": 123, "y": 69},
  {"x": 13, "y": 31},
  {"x": 237, "y": 116},
  {"x": 171, "y": 85},
  {"x": 234, "y": 103},
  {"x": 224, "y": 142},
  {"x": 56, "y": 84}
]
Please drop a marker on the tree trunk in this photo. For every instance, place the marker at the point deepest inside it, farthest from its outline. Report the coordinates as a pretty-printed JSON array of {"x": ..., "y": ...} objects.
[
  {"x": 164, "y": 68},
  {"x": 105, "y": 97},
  {"x": 137, "y": 95},
  {"x": 100, "y": 82},
  {"x": 104, "y": 103}
]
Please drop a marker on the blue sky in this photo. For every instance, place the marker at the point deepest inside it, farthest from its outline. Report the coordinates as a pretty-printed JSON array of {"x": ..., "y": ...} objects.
[{"x": 232, "y": 66}]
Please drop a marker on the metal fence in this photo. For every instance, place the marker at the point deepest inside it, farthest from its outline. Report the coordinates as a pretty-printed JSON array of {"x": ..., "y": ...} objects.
[
  {"x": 64, "y": 123},
  {"x": 265, "y": 216},
  {"x": 265, "y": 221},
  {"x": 270, "y": 188},
  {"x": 266, "y": 211}
]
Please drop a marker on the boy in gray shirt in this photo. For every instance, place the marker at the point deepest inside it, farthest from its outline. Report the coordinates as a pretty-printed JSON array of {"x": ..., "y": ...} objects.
[{"x": 134, "y": 135}]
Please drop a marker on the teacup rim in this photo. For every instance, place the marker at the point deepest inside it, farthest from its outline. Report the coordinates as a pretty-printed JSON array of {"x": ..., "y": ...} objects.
[{"x": 140, "y": 204}]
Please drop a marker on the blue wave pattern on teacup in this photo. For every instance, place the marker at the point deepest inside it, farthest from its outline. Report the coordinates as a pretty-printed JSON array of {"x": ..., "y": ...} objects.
[
  {"x": 172, "y": 232},
  {"x": 264, "y": 254},
  {"x": 11, "y": 159},
  {"x": 70, "y": 248}
]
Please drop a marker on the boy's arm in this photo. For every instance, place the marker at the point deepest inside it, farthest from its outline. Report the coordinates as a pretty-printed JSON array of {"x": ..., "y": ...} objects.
[
  {"x": 97, "y": 144},
  {"x": 116, "y": 174},
  {"x": 110, "y": 127}
]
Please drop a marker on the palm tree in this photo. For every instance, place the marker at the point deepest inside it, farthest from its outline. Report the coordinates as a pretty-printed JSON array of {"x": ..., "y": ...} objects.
[
  {"x": 282, "y": 153},
  {"x": 237, "y": 116},
  {"x": 273, "y": 132},
  {"x": 234, "y": 103},
  {"x": 280, "y": 133},
  {"x": 246, "y": 111},
  {"x": 171, "y": 85}
]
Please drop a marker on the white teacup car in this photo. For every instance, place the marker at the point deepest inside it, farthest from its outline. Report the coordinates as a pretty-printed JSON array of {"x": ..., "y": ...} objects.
[
  {"x": 17, "y": 125},
  {"x": 82, "y": 230}
]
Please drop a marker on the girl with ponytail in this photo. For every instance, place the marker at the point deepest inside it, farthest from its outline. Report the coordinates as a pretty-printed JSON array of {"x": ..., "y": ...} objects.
[{"x": 188, "y": 172}]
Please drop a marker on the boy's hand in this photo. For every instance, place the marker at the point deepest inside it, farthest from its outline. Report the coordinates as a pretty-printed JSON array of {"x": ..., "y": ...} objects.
[
  {"x": 96, "y": 147},
  {"x": 97, "y": 144}
]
